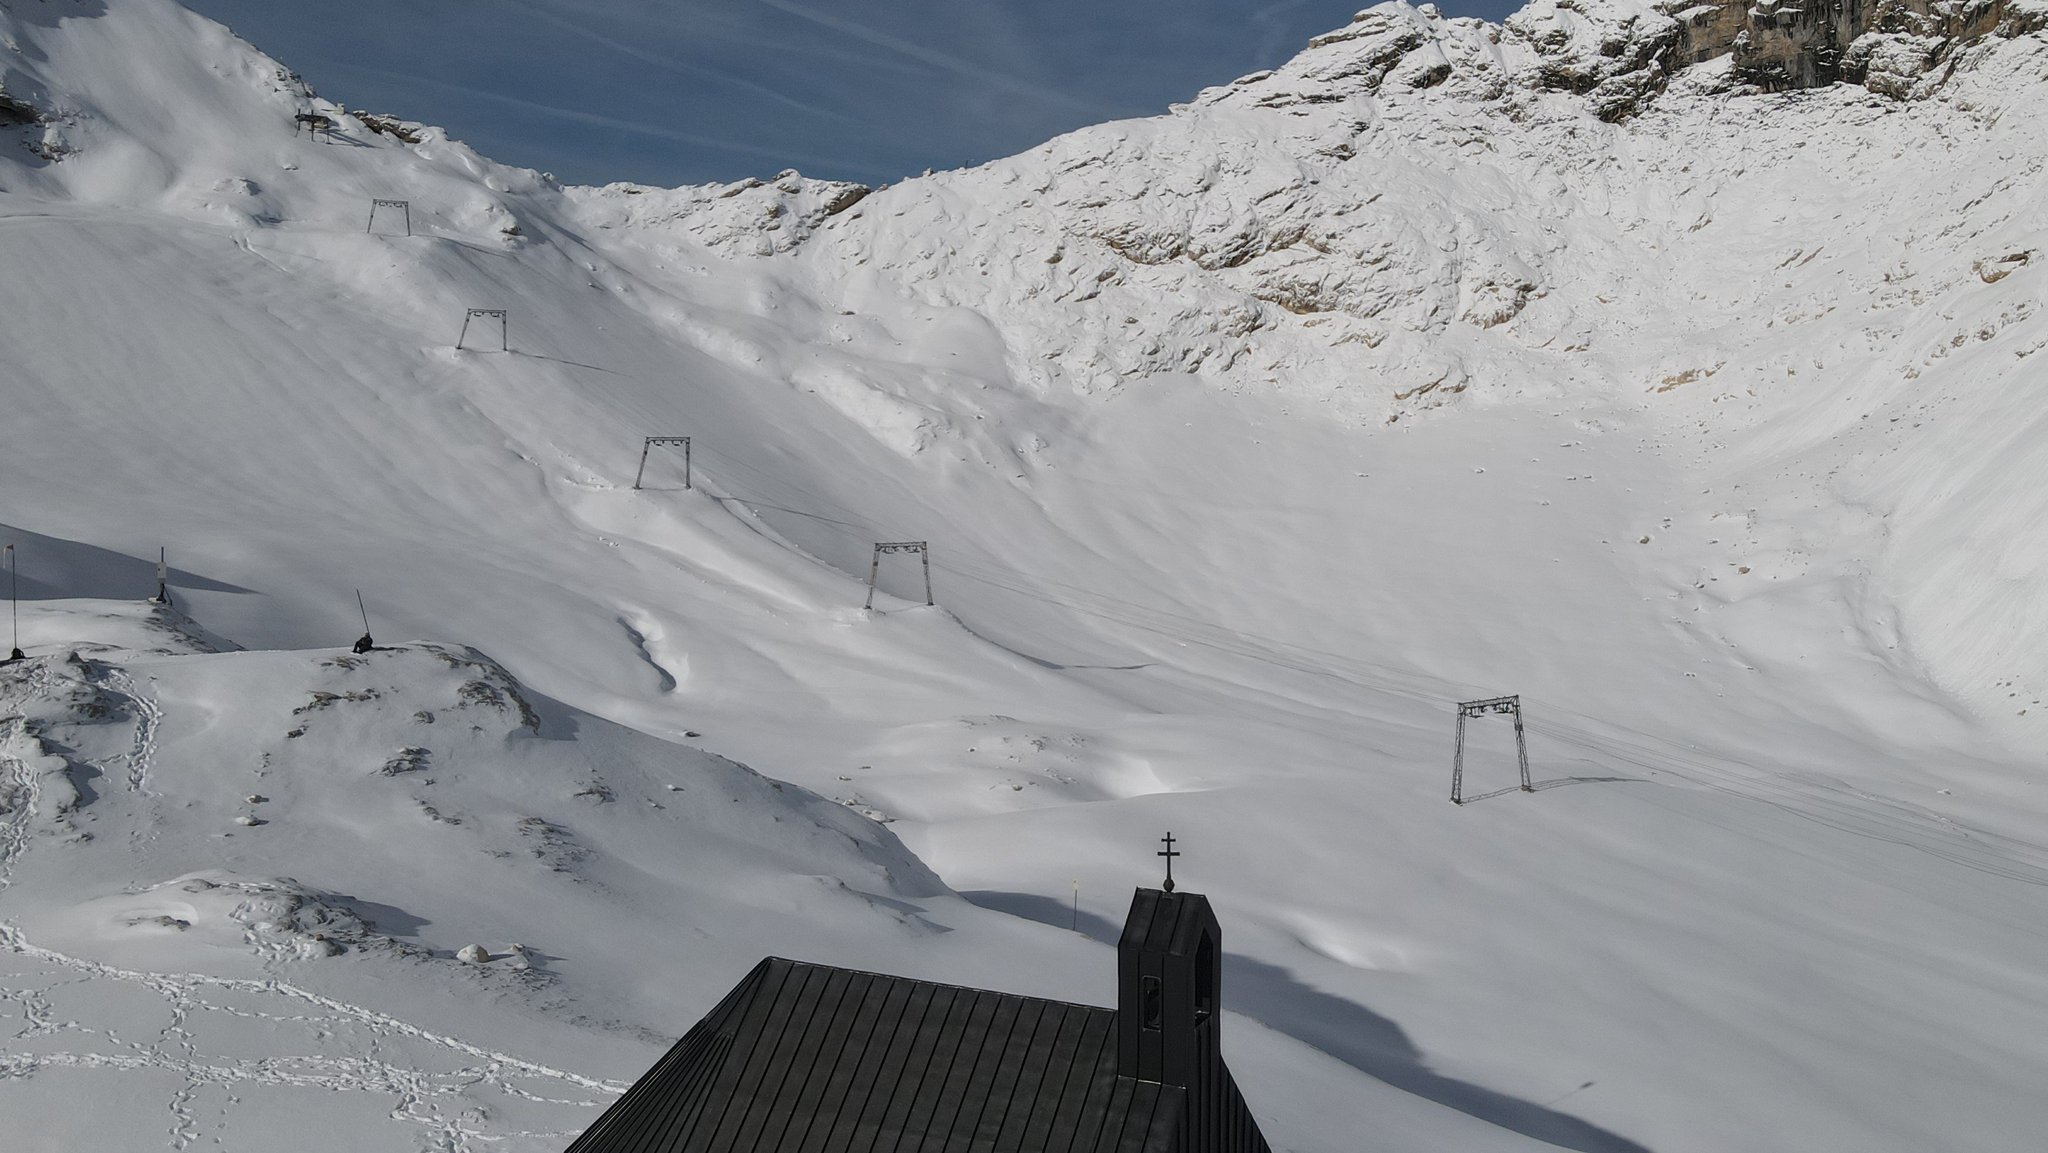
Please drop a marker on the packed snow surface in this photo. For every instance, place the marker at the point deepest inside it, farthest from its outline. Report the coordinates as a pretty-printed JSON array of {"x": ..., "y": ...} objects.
[{"x": 1246, "y": 440}]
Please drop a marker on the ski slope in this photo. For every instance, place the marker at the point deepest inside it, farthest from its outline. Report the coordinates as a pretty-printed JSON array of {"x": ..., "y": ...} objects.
[{"x": 1203, "y": 562}]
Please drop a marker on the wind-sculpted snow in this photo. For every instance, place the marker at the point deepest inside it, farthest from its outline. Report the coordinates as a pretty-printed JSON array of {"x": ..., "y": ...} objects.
[
  {"x": 1601, "y": 356},
  {"x": 109, "y": 772}
]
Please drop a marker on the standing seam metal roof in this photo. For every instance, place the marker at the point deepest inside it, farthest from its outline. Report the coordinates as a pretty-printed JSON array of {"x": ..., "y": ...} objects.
[{"x": 804, "y": 1058}]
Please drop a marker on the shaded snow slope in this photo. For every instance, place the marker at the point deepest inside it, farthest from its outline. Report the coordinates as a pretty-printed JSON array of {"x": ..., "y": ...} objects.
[{"x": 1246, "y": 440}]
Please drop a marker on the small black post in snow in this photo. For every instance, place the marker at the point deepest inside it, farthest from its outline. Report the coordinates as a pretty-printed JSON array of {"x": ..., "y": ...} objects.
[
  {"x": 14, "y": 602},
  {"x": 163, "y": 588},
  {"x": 875, "y": 566},
  {"x": 404, "y": 206},
  {"x": 364, "y": 643},
  {"x": 1509, "y": 705},
  {"x": 649, "y": 443},
  {"x": 1077, "y": 904},
  {"x": 498, "y": 314}
]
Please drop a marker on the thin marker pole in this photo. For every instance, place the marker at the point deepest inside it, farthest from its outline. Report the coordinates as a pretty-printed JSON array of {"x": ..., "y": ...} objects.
[
  {"x": 14, "y": 598},
  {"x": 365, "y": 644}
]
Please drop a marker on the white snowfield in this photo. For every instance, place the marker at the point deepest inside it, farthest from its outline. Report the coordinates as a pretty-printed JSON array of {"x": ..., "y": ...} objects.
[{"x": 1246, "y": 439}]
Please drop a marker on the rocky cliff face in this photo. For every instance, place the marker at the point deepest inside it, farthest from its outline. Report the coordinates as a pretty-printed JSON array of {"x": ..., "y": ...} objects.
[
  {"x": 1413, "y": 198},
  {"x": 1619, "y": 54},
  {"x": 1886, "y": 45}
]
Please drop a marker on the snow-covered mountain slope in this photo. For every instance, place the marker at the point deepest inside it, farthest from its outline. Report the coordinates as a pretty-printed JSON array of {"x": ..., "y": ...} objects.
[
  {"x": 467, "y": 836},
  {"x": 1246, "y": 440},
  {"x": 1815, "y": 295}
]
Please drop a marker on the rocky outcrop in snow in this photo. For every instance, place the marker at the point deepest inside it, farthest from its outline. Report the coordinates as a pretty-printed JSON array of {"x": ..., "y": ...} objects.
[
  {"x": 746, "y": 218},
  {"x": 1619, "y": 54}
]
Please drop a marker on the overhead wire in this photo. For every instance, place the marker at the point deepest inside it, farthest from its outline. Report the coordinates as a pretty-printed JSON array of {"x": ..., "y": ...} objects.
[{"x": 1869, "y": 816}]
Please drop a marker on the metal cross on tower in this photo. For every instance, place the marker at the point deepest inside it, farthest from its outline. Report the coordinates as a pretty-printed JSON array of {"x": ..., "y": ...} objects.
[{"x": 1169, "y": 854}]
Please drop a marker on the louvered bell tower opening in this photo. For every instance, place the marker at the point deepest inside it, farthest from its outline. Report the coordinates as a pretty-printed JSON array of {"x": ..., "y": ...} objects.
[{"x": 1168, "y": 991}]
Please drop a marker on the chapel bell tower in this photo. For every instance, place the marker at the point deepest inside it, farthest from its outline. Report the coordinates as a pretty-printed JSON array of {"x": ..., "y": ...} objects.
[{"x": 1169, "y": 988}]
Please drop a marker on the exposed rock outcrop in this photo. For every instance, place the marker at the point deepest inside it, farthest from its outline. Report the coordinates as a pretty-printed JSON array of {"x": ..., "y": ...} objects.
[
  {"x": 751, "y": 216},
  {"x": 1619, "y": 55},
  {"x": 13, "y": 112}
]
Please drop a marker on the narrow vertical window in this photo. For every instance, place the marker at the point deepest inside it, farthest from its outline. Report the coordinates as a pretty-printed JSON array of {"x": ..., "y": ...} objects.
[
  {"x": 1150, "y": 1002},
  {"x": 1205, "y": 978}
]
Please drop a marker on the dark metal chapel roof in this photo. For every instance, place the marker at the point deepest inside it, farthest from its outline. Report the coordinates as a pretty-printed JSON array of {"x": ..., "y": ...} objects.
[
  {"x": 1165, "y": 922},
  {"x": 803, "y": 1058}
]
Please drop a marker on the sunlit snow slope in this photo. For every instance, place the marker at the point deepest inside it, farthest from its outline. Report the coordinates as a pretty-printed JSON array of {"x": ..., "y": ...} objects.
[{"x": 1246, "y": 440}]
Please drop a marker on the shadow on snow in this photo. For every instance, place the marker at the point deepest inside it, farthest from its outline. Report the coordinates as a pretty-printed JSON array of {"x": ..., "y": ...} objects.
[{"x": 1372, "y": 1044}]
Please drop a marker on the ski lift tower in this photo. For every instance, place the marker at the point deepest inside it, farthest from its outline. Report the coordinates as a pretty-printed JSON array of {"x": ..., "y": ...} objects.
[{"x": 1497, "y": 706}]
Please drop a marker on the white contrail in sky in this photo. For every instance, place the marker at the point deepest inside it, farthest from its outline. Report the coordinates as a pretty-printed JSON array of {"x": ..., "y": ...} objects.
[
  {"x": 659, "y": 131},
  {"x": 671, "y": 64},
  {"x": 933, "y": 57}
]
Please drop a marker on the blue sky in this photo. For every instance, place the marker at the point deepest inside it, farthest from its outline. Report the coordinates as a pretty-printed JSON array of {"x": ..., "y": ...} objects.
[{"x": 691, "y": 91}]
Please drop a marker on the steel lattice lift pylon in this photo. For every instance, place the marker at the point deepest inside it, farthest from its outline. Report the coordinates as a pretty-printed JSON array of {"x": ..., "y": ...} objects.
[
  {"x": 1492, "y": 705},
  {"x": 404, "y": 206},
  {"x": 649, "y": 444},
  {"x": 504, "y": 326},
  {"x": 875, "y": 567}
]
